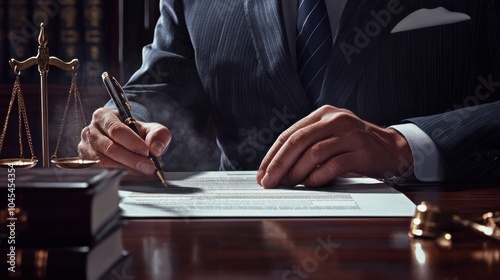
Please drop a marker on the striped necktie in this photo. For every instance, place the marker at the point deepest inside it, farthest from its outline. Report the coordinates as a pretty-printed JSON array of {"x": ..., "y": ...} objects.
[{"x": 314, "y": 44}]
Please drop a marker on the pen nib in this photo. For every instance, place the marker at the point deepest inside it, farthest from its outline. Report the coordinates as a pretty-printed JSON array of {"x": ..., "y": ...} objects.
[{"x": 159, "y": 174}]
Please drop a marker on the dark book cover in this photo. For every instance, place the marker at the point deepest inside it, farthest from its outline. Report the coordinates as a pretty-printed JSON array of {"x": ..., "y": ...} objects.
[
  {"x": 97, "y": 48},
  {"x": 46, "y": 12},
  {"x": 20, "y": 34},
  {"x": 58, "y": 206},
  {"x": 71, "y": 44},
  {"x": 71, "y": 262}
]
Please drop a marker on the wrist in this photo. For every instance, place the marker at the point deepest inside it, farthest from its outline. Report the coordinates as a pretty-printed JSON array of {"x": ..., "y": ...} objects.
[{"x": 402, "y": 156}]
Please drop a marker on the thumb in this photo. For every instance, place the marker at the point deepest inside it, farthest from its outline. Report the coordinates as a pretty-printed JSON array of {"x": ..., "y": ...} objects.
[{"x": 156, "y": 136}]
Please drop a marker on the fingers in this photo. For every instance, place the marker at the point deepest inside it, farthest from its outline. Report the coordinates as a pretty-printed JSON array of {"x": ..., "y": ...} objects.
[
  {"x": 117, "y": 146},
  {"x": 315, "y": 156},
  {"x": 113, "y": 155},
  {"x": 291, "y": 145},
  {"x": 333, "y": 168},
  {"x": 106, "y": 162},
  {"x": 293, "y": 138},
  {"x": 328, "y": 143},
  {"x": 331, "y": 143},
  {"x": 157, "y": 137},
  {"x": 85, "y": 147},
  {"x": 290, "y": 152},
  {"x": 108, "y": 123},
  {"x": 322, "y": 162}
]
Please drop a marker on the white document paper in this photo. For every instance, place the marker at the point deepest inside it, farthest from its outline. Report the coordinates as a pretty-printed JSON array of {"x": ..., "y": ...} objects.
[{"x": 237, "y": 194}]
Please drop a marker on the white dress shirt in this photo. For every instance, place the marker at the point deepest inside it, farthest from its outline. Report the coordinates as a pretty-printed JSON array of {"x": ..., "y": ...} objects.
[{"x": 427, "y": 163}]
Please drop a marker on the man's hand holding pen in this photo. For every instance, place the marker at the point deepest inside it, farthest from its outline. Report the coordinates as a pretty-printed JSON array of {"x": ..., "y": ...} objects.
[
  {"x": 119, "y": 147},
  {"x": 120, "y": 137}
]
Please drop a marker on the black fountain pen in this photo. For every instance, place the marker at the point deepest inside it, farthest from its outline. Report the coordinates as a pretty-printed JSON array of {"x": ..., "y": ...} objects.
[{"x": 118, "y": 95}]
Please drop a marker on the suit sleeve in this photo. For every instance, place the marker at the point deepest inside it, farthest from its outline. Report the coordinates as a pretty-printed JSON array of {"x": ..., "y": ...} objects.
[
  {"x": 167, "y": 89},
  {"x": 468, "y": 140}
]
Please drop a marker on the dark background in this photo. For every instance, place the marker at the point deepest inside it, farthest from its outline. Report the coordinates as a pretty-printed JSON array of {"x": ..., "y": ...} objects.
[{"x": 125, "y": 26}]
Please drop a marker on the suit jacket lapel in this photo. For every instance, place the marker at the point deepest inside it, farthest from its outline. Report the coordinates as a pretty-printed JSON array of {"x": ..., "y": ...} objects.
[
  {"x": 350, "y": 53},
  {"x": 268, "y": 32}
]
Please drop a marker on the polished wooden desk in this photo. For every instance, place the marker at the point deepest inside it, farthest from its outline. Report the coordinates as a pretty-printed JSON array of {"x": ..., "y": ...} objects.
[{"x": 337, "y": 248}]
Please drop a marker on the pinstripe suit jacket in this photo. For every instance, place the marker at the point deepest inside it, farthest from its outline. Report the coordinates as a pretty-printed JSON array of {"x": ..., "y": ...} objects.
[{"x": 230, "y": 60}]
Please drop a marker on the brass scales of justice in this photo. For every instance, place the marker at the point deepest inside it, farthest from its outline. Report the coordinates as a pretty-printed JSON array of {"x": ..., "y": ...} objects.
[{"x": 43, "y": 61}]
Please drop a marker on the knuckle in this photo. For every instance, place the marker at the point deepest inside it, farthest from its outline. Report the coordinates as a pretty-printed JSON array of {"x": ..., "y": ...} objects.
[
  {"x": 343, "y": 116},
  {"x": 346, "y": 111},
  {"x": 284, "y": 136},
  {"x": 276, "y": 165},
  {"x": 316, "y": 151},
  {"x": 84, "y": 133},
  {"x": 114, "y": 129},
  {"x": 326, "y": 109},
  {"x": 297, "y": 139},
  {"x": 99, "y": 113},
  {"x": 332, "y": 168},
  {"x": 110, "y": 148},
  {"x": 163, "y": 133},
  {"x": 82, "y": 149}
]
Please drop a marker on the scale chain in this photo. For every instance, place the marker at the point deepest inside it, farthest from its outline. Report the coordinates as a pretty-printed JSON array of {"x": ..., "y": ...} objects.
[
  {"x": 20, "y": 100},
  {"x": 16, "y": 91},
  {"x": 77, "y": 120},
  {"x": 11, "y": 104},
  {"x": 20, "y": 124},
  {"x": 63, "y": 122},
  {"x": 77, "y": 103}
]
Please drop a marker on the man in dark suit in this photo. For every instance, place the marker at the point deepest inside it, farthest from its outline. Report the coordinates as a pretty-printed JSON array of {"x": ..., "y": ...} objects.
[{"x": 430, "y": 70}]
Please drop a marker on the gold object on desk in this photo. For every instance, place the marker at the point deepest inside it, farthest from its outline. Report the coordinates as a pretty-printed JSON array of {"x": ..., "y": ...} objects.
[
  {"x": 432, "y": 222},
  {"x": 43, "y": 60},
  {"x": 489, "y": 228},
  {"x": 426, "y": 221}
]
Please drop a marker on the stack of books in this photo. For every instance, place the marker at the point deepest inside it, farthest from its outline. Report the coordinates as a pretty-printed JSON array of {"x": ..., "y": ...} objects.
[{"x": 60, "y": 223}]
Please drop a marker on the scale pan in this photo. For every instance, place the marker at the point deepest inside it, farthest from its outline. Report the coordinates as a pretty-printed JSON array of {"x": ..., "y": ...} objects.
[
  {"x": 74, "y": 162},
  {"x": 21, "y": 163}
]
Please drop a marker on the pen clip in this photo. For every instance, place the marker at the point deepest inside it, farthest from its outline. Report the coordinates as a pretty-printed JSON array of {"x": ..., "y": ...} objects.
[{"x": 118, "y": 95}]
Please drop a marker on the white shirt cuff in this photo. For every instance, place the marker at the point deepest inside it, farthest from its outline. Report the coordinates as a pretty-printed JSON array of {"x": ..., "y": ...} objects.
[{"x": 427, "y": 163}]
